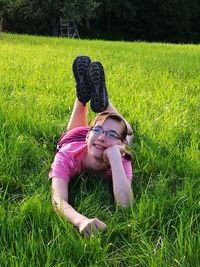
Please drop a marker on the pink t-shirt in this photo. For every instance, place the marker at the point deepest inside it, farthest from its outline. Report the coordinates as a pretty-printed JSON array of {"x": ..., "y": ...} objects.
[{"x": 67, "y": 161}]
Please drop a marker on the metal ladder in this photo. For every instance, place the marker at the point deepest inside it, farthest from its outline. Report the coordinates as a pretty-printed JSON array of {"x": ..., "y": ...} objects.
[{"x": 68, "y": 29}]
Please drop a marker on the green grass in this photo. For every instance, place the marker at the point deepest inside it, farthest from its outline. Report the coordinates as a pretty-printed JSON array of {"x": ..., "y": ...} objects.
[{"x": 156, "y": 87}]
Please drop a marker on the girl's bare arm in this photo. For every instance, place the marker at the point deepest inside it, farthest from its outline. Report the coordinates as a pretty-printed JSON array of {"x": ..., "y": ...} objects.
[
  {"x": 60, "y": 204},
  {"x": 121, "y": 185}
]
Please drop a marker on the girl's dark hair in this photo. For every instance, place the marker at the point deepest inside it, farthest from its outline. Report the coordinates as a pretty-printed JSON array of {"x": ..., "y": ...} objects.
[{"x": 101, "y": 117}]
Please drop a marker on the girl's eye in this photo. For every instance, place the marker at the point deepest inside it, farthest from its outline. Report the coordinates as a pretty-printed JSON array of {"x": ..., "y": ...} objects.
[
  {"x": 112, "y": 135},
  {"x": 97, "y": 131}
]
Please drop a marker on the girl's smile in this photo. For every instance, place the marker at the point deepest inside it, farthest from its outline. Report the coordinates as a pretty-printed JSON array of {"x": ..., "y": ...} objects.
[{"x": 99, "y": 147}]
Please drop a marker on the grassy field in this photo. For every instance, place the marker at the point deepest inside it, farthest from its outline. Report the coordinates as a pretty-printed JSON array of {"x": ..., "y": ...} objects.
[{"x": 157, "y": 88}]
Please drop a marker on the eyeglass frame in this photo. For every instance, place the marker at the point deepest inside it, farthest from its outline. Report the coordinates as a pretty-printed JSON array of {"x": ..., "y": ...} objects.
[{"x": 118, "y": 137}]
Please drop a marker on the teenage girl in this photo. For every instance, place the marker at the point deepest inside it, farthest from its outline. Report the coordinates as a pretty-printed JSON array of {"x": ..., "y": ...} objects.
[{"x": 99, "y": 148}]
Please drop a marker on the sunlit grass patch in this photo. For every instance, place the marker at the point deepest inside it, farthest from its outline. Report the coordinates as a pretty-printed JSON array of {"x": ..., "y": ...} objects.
[{"x": 156, "y": 87}]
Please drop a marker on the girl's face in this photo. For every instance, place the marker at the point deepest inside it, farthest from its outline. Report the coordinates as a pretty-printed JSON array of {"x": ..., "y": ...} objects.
[{"x": 99, "y": 140}]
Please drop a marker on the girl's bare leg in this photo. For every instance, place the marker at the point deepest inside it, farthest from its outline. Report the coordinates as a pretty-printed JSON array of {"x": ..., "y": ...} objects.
[
  {"x": 78, "y": 116},
  {"x": 130, "y": 135}
]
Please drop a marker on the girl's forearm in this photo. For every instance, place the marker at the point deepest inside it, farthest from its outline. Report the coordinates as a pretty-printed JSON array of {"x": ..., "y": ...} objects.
[
  {"x": 121, "y": 186},
  {"x": 61, "y": 206}
]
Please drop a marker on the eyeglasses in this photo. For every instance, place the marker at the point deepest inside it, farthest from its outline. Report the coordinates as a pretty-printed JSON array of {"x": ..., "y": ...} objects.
[{"x": 110, "y": 134}]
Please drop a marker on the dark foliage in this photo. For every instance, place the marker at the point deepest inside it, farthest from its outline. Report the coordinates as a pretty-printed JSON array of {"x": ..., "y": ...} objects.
[{"x": 154, "y": 20}]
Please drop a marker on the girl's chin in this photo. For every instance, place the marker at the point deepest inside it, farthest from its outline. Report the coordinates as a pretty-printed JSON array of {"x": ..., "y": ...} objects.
[{"x": 97, "y": 153}]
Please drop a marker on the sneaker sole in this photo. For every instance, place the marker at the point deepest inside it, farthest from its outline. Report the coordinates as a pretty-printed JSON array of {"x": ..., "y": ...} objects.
[
  {"x": 79, "y": 67},
  {"x": 99, "y": 95}
]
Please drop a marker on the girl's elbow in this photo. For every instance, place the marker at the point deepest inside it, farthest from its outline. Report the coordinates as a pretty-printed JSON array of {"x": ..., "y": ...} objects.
[
  {"x": 124, "y": 200},
  {"x": 125, "y": 204}
]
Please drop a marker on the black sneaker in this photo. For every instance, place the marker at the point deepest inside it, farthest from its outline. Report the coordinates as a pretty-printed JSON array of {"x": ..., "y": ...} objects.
[
  {"x": 80, "y": 66},
  {"x": 99, "y": 95}
]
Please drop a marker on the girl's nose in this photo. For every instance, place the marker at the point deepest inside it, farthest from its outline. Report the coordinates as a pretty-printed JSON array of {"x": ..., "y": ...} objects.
[{"x": 102, "y": 137}]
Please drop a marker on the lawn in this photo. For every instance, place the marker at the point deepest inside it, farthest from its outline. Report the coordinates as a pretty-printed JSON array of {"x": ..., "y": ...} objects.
[{"x": 156, "y": 87}]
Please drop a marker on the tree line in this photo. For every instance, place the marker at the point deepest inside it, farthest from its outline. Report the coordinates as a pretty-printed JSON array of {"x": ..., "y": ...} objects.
[{"x": 176, "y": 21}]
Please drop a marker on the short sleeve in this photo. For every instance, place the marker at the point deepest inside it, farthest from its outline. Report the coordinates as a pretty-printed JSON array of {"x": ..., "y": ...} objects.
[
  {"x": 62, "y": 167},
  {"x": 127, "y": 168}
]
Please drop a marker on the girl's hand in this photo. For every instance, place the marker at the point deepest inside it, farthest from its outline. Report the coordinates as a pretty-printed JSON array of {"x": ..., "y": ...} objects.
[
  {"x": 91, "y": 226},
  {"x": 113, "y": 150}
]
